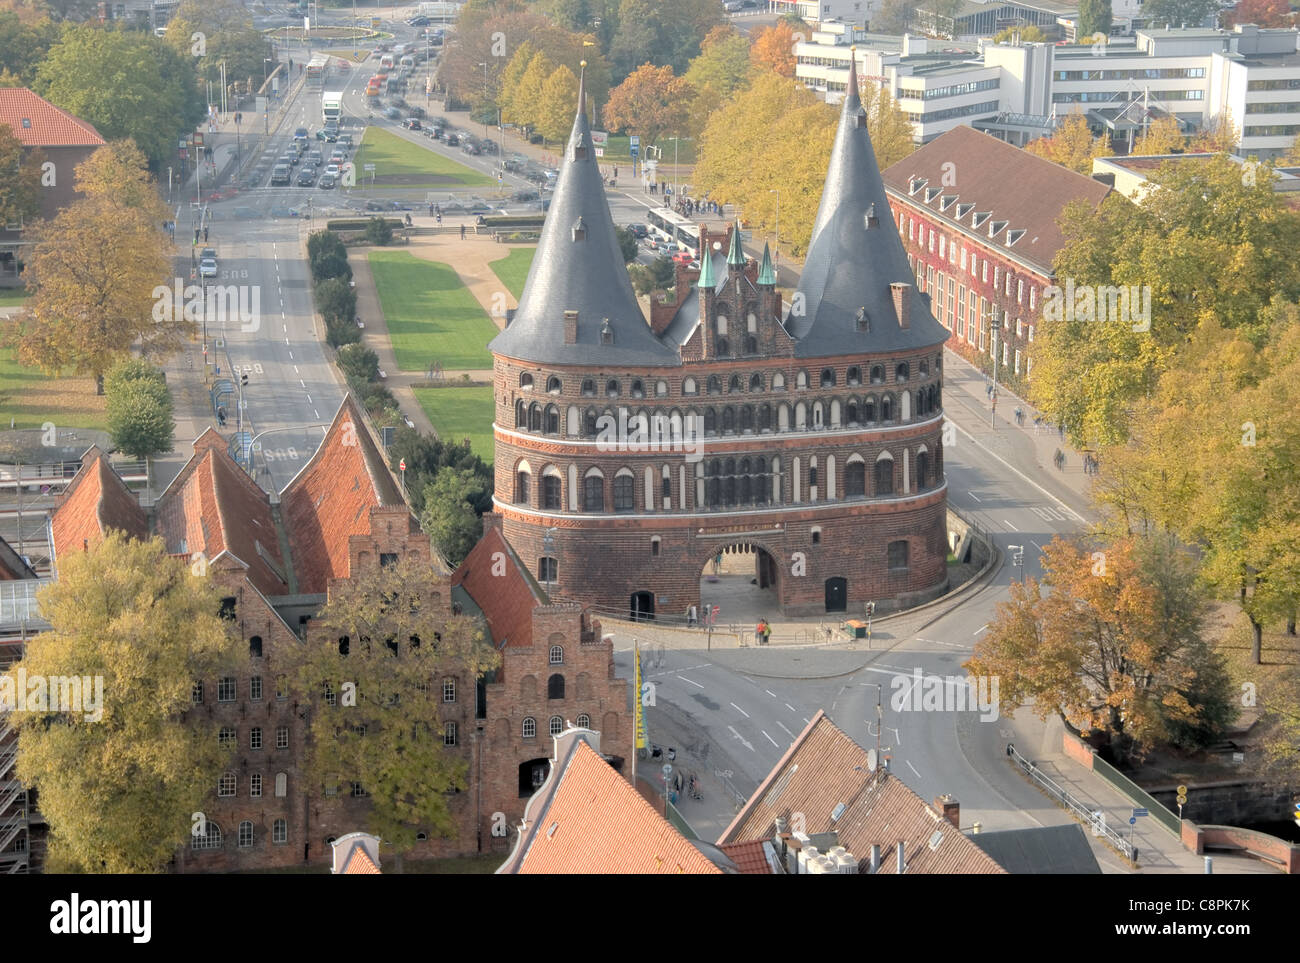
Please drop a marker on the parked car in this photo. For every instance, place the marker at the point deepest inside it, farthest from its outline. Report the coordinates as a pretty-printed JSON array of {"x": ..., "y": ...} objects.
[
  {"x": 523, "y": 197},
  {"x": 438, "y": 122},
  {"x": 376, "y": 206},
  {"x": 327, "y": 181},
  {"x": 472, "y": 148},
  {"x": 453, "y": 140},
  {"x": 489, "y": 147},
  {"x": 415, "y": 111},
  {"x": 392, "y": 113},
  {"x": 208, "y": 267},
  {"x": 638, "y": 231}
]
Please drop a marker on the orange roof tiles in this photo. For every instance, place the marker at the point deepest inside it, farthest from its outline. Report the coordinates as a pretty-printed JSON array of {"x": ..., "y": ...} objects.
[
  {"x": 749, "y": 857},
  {"x": 95, "y": 501},
  {"x": 330, "y": 499},
  {"x": 825, "y": 768},
  {"x": 507, "y": 600},
  {"x": 359, "y": 863},
  {"x": 213, "y": 506},
  {"x": 38, "y": 123},
  {"x": 595, "y": 822}
]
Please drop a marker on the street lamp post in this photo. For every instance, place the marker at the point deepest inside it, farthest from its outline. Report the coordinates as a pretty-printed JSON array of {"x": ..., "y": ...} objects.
[
  {"x": 994, "y": 327},
  {"x": 485, "y": 97},
  {"x": 777, "y": 252}
]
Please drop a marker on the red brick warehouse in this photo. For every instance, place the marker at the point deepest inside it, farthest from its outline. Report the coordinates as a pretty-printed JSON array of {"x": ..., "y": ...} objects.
[{"x": 819, "y": 423}]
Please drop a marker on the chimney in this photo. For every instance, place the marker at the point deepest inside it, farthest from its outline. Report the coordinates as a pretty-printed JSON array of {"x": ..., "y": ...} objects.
[
  {"x": 875, "y": 857},
  {"x": 902, "y": 864},
  {"x": 570, "y": 327},
  {"x": 902, "y": 292},
  {"x": 950, "y": 808}
]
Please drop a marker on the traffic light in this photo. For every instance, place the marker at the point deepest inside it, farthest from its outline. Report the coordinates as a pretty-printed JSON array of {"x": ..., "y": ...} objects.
[{"x": 243, "y": 380}]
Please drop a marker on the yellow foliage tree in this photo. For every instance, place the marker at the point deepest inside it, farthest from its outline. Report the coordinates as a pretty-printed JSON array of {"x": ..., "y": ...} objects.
[
  {"x": 559, "y": 104},
  {"x": 651, "y": 102},
  {"x": 773, "y": 49},
  {"x": 1072, "y": 145},
  {"x": 1163, "y": 137},
  {"x": 1219, "y": 136}
]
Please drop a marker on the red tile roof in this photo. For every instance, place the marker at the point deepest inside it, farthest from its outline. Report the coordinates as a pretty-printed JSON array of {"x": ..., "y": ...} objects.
[
  {"x": 213, "y": 506},
  {"x": 595, "y": 822},
  {"x": 95, "y": 501},
  {"x": 38, "y": 123},
  {"x": 329, "y": 501},
  {"x": 749, "y": 857},
  {"x": 823, "y": 769},
  {"x": 507, "y": 600},
  {"x": 1012, "y": 184},
  {"x": 359, "y": 863}
]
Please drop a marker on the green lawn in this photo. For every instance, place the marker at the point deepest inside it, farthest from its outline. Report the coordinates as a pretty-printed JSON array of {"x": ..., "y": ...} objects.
[
  {"x": 31, "y": 399},
  {"x": 400, "y": 163},
  {"x": 617, "y": 151},
  {"x": 459, "y": 413},
  {"x": 12, "y": 297},
  {"x": 431, "y": 316},
  {"x": 512, "y": 270}
]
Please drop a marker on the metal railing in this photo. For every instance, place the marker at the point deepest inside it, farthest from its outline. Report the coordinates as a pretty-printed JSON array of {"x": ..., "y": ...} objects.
[
  {"x": 1066, "y": 801},
  {"x": 13, "y": 807}
]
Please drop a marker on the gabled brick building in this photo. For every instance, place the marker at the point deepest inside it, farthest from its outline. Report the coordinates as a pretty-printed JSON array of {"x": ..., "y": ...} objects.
[
  {"x": 820, "y": 425},
  {"x": 275, "y": 567},
  {"x": 980, "y": 220}
]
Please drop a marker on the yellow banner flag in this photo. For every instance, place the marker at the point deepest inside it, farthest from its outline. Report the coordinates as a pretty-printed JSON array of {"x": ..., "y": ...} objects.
[{"x": 638, "y": 711}]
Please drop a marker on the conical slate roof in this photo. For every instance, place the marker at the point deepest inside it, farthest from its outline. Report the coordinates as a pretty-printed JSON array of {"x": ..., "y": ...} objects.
[
  {"x": 579, "y": 267},
  {"x": 850, "y": 265}
]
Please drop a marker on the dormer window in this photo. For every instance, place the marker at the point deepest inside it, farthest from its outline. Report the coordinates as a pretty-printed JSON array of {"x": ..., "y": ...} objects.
[
  {"x": 947, "y": 201},
  {"x": 980, "y": 217},
  {"x": 916, "y": 185},
  {"x": 580, "y": 151},
  {"x": 996, "y": 228},
  {"x": 1013, "y": 236},
  {"x": 963, "y": 210},
  {"x": 606, "y": 333},
  {"x": 931, "y": 193},
  {"x": 579, "y": 230},
  {"x": 862, "y": 321},
  {"x": 860, "y": 119},
  {"x": 871, "y": 219}
]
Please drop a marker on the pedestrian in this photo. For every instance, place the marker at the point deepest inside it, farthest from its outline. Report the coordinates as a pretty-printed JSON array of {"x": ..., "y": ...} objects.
[
  {"x": 988, "y": 390},
  {"x": 615, "y": 173},
  {"x": 205, "y": 235},
  {"x": 691, "y": 617},
  {"x": 1020, "y": 416},
  {"x": 439, "y": 217},
  {"x": 758, "y": 633},
  {"x": 462, "y": 232},
  {"x": 1060, "y": 429},
  {"x": 431, "y": 210},
  {"x": 767, "y": 631}
]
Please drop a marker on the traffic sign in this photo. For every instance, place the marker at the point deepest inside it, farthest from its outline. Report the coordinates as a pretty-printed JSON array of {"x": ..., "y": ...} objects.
[
  {"x": 1132, "y": 820},
  {"x": 368, "y": 167},
  {"x": 401, "y": 465},
  {"x": 1182, "y": 791},
  {"x": 634, "y": 150},
  {"x": 1140, "y": 812},
  {"x": 600, "y": 151},
  {"x": 634, "y": 140}
]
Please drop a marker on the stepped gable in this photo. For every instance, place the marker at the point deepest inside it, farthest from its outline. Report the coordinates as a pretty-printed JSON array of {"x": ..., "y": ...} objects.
[
  {"x": 506, "y": 600},
  {"x": 95, "y": 501},
  {"x": 331, "y": 499},
  {"x": 579, "y": 267},
  {"x": 213, "y": 506},
  {"x": 854, "y": 256}
]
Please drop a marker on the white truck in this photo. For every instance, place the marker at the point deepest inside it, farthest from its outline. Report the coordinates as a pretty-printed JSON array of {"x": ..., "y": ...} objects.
[
  {"x": 332, "y": 107},
  {"x": 440, "y": 11}
]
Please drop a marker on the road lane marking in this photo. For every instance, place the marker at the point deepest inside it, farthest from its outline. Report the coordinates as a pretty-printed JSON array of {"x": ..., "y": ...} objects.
[
  {"x": 295, "y": 369},
  {"x": 315, "y": 412},
  {"x": 912, "y": 767},
  {"x": 787, "y": 731},
  {"x": 770, "y": 692},
  {"x": 770, "y": 739},
  {"x": 791, "y": 708},
  {"x": 692, "y": 682},
  {"x": 304, "y": 384},
  {"x": 740, "y": 710},
  {"x": 1009, "y": 525},
  {"x": 742, "y": 739},
  {"x": 980, "y": 629},
  {"x": 974, "y": 496}
]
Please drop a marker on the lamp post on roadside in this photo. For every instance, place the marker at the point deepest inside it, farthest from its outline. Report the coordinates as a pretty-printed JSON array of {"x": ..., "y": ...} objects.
[
  {"x": 994, "y": 326},
  {"x": 776, "y": 252},
  {"x": 485, "y": 98}
]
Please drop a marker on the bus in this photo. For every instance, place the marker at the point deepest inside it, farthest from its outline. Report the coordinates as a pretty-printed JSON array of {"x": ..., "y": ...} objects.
[
  {"x": 317, "y": 70},
  {"x": 676, "y": 232},
  {"x": 386, "y": 62}
]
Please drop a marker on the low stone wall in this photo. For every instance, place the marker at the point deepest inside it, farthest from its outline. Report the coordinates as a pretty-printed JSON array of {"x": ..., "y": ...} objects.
[{"x": 1279, "y": 852}]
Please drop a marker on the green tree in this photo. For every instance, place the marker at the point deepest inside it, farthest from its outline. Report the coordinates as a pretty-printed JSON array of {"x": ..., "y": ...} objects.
[
  {"x": 627, "y": 243},
  {"x": 327, "y": 256},
  {"x": 1094, "y": 17},
  {"x": 385, "y": 634},
  {"x": 20, "y": 196},
  {"x": 379, "y": 231},
  {"x": 118, "y": 790},
  {"x": 426, "y": 456},
  {"x": 127, "y": 84},
  {"x": 359, "y": 364},
  {"x": 24, "y": 44},
  {"x": 219, "y": 31},
  {"x": 1176, "y": 13},
  {"x": 722, "y": 68},
  {"x": 559, "y": 104},
  {"x": 1025, "y": 34},
  {"x": 661, "y": 32},
  {"x": 658, "y": 275},
  {"x": 140, "y": 416},
  {"x": 449, "y": 518}
]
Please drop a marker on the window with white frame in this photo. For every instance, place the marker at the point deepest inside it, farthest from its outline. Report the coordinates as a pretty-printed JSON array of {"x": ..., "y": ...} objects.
[
  {"x": 227, "y": 784},
  {"x": 932, "y": 233},
  {"x": 330, "y": 697},
  {"x": 255, "y": 784},
  {"x": 911, "y": 229},
  {"x": 449, "y": 730},
  {"x": 226, "y": 690},
  {"x": 984, "y": 276},
  {"x": 943, "y": 244},
  {"x": 997, "y": 278},
  {"x": 281, "y": 784},
  {"x": 281, "y": 688},
  {"x": 1031, "y": 333},
  {"x": 358, "y": 790},
  {"x": 1033, "y": 293},
  {"x": 210, "y": 838},
  {"x": 1020, "y": 291},
  {"x": 245, "y": 834},
  {"x": 282, "y": 737},
  {"x": 279, "y": 831},
  {"x": 196, "y": 693},
  {"x": 448, "y": 690},
  {"x": 963, "y": 258},
  {"x": 1017, "y": 361},
  {"x": 557, "y": 725},
  {"x": 1020, "y": 328},
  {"x": 255, "y": 688},
  {"x": 226, "y": 737},
  {"x": 530, "y": 728},
  {"x": 255, "y": 737},
  {"x": 584, "y": 721},
  {"x": 557, "y": 655}
]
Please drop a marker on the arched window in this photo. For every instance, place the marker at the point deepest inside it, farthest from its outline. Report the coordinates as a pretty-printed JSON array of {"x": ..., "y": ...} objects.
[
  {"x": 869, "y": 410},
  {"x": 521, "y": 414},
  {"x": 853, "y": 377},
  {"x": 920, "y": 402},
  {"x": 745, "y": 483},
  {"x": 922, "y": 470},
  {"x": 723, "y": 348},
  {"x": 552, "y": 499},
  {"x": 584, "y": 721},
  {"x": 255, "y": 647},
  {"x": 282, "y": 784},
  {"x": 747, "y": 418},
  {"x": 611, "y": 388},
  {"x": 556, "y": 726},
  {"x": 624, "y": 491},
  {"x": 522, "y": 480},
  {"x": 733, "y": 385},
  {"x": 529, "y": 729},
  {"x": 818, "y": 413},
  {"x": 901, "y": 372},
  {"x": 885, "y": 476},
  {"x": 554, "y": 385},
  {"x": 638, "y": 388},
  {"x": 552, "y": 424},
  {"x": 751, "y": 344},
  {"x": 557, "y": 655},
  {"x": 534, "y": 417},
  {"x": 525, "y": 380},
  {"x": 924, "y": 369},
  {"x": 778, "y": 382},
  {"x": 756, "y": 382},
  {"x": 801, "y": 380},
  {"x": 588, "y": 387},
  {"x": 887, "y": 408},
  {"x": 801, "y": 416},
  {"x": 710, "y": 421},
  {"x": 661, "y": 389},
  {"x": 878, "y": 374},
  {"x": 729, "y": 482},
  {"x": 590, "y": 423},
  {"x": 689, "y": 387},
  {"x": 851, "y": 412},
  {"x": 715, "y": 385},
  {"x": 764, "y": 417},
  {"x": 728, "y": 419},
  {"x": 555, "y": 687},
  {"x": 593, "y": 493},
  {"x": 210, "y": 838},
  {"x": 713, "y": 486},
  {"x": 828, "y": 377},
  {"x": 855, "y": 479}
]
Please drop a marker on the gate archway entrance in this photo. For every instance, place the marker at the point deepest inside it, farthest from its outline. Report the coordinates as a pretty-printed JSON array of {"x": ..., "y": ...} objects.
[
  {"x": 641, "y": 607},
  {"x": 837, "y": 594},
  {"x": 743, "y": 580}
]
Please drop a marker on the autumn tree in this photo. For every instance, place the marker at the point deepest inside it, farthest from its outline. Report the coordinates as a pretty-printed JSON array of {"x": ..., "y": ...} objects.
[
  {"x": 1026, "y": 34},
  {"x": 1263, "y": 13},
  {"x": 651, "y": 102},
  {"x": 20, "y": 195},
  {"x": 1163, "y": 136},
  {"x": 661, "y": 32},
  {"x": 1293, "y": 156},
  {"x": 1095, "y": 16},
  {"x": 891, "y": 131},
  {"x": 1110, "y": 641},
  {"x": 119, "y": 172},
  {"x": 118, "y": 784},
  {"x": 722, "y": 68},
  {"x": 524, "y": 102},
  {"x": 217, "y": 32},
  {"x": 1072, "y": 145},
  {"x": 1176, "y": 13},
  {"x": 773, "y": 49},
  {"x": 373, "y": 674},
  {"x": 1219, "y": 136},
  {"x": 559, "y": 104}
]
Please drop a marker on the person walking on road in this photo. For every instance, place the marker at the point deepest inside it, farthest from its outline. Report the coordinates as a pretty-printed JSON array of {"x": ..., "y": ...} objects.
[
  {"x": 462, "y": 232},
  {"x": 691, "y": 617}
]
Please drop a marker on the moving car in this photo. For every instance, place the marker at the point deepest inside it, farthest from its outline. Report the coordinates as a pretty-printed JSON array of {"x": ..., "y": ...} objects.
[
  {"x": 315, "y": 158},
  {"x": 338, "y": 157},
  {"x": 208, "y": 267},
  {"x": 327, "y": 181},
  {"x": 392, "y": 113},
  {"x": 412, "y": 123},
  {"x": 638, "y": 231},
  {"x": 332, "y": 170},
  {"x": 345, "y": 141},
  {"x": 376, "y": 206},
  {"x": 208, "y": 252},
  {"x": 307, "y": 176},
  {"x": 280, "y": 175},
  {"x": 300, "y": 134},
  {"x": 453, "y": 140}
]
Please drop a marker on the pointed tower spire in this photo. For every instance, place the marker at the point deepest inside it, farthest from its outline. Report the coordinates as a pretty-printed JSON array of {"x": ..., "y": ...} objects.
[
  {"x": 735, "y": 256},
  {"x": 856, "y": 256},
  {"x": 766, "y": 273},
  {"x": 706, "y": 270},
  {"x": 578, "y": 306}
]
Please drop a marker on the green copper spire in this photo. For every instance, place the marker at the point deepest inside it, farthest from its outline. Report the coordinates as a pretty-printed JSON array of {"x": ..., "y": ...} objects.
[
  {"x": 706, "y": 271},
  {"x": 766, "y": 275},
  {"x": 736, "y": 257}
]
